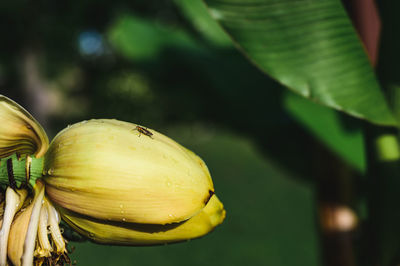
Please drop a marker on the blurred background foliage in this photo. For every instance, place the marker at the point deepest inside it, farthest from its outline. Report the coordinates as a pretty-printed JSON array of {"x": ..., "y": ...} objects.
[{"x": 168, "y": 66}]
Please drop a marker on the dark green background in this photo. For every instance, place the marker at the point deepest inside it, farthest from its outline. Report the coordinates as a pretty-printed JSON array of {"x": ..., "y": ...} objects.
[{"x": 164, "y": 65}]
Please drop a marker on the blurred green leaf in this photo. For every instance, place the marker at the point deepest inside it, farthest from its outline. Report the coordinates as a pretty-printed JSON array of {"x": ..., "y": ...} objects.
[
  {"x": 196, "y": 12},
  {"x": 320, "y": 121},
  {"x": 311, "y": 47},
  {"x": 139, "y": 39},
  {"x": 326, "y": 125}
]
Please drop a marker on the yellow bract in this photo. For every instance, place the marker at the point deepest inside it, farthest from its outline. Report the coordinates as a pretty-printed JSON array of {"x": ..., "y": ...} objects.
[
  {"x": 19, "y": 132},
  {"x": 147, "y": 234}
]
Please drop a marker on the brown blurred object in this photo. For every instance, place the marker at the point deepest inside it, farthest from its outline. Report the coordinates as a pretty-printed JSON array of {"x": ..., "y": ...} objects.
[
  {"x": 337, "y": 218},
  {"x": 337, "y": 222},
  {"x": 367, "y": 22}
]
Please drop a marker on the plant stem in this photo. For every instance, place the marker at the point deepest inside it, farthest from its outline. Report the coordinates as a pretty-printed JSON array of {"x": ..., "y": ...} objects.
[{"x": 16, "y": 171}]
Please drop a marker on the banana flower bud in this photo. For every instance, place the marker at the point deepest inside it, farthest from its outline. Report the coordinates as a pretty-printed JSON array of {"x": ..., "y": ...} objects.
[
  {"x": 114, "y": 182},
  {"x": 105, "y": 170},
  {"x": 105, "y": 174}
]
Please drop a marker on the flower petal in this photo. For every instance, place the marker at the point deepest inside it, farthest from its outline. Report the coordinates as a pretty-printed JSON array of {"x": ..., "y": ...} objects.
[
  {"x": 19, "y": 132},
  {"x": 55, "y": 232},
  {"x": 13, "y": 202},
  {"x": 44, "y": 247},
  {"x": 23, "y": 233},
  {"x": 147, "y": 234}
]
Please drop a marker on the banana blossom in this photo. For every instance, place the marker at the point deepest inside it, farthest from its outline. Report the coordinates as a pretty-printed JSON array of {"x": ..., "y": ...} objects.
[{"x": 113, "y": 182}]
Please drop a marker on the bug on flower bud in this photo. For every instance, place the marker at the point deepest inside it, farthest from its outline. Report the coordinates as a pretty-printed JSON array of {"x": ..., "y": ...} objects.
[{"x": 144, "y": 131}]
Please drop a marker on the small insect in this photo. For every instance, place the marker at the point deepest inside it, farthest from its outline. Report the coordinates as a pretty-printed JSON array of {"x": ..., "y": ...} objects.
[{"x": 144, "y": 131}]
